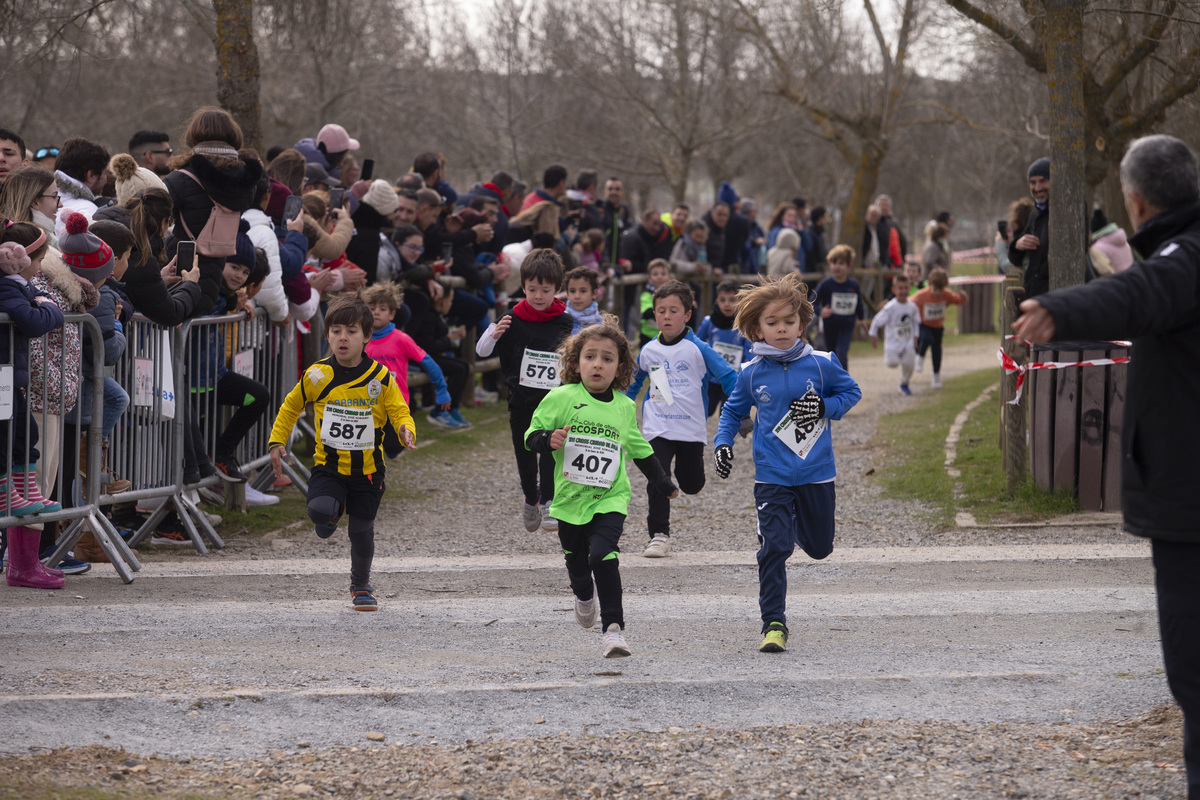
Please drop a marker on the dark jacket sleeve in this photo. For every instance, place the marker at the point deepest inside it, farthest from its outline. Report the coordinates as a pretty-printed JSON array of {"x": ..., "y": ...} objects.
[
  {"x": 31, "y": 318},
  {"x": 292, "y": 251},
  {"x": 155, "y": 302}
]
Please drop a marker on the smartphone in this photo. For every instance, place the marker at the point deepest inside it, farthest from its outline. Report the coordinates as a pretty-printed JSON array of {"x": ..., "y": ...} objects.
[
  {"x": 185, "y": 257},
  {"x": 336, "y": 198},
  {"x": 293, "y": 207},
  {"x": 447, "y": 252},
  {"x": 1002, "y": 227},
  {"x": 368, "y": 169}
]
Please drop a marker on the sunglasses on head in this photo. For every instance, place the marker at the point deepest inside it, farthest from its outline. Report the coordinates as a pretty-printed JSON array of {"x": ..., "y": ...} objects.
[{"x": 46, "y": 151}]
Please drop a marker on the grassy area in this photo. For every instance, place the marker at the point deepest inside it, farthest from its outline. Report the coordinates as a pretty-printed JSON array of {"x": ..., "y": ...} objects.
[{"x": 916, "y": 438}]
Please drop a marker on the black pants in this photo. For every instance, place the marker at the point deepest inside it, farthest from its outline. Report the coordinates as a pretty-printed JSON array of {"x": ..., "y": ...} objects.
[
  {"x": 250, "y": 398},
  {"x": 455, "y": 371},
  {"x": 931, "y": 338},
  {"x": 331, "y": 494},
  {"x": 689, "y": 475},
  {"x": 22, "y": 437},
  {"x": 591, "y": 552},
  {"x": 536, "y": 470},
  {"x": 1176, "y": 566},
  {"x": 194, "y": 449}
]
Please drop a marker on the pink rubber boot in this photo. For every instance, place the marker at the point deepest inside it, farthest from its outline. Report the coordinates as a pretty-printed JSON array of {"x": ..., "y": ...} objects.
[{"x": 24, "y": 568}]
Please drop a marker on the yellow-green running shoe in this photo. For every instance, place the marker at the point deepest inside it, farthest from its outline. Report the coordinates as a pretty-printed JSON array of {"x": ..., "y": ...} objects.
[{"x": 775, "y": 640}]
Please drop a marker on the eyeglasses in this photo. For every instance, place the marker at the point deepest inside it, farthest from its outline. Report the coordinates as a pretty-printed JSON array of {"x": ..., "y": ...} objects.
[
  {"x": 167, "y": 152},
  {"x": 57, "y": 198},
  {"x": 46, "y": 151},
  {"x": 417, "y": 250}
]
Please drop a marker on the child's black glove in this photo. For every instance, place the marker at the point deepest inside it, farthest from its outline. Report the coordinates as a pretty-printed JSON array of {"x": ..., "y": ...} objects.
[
  {"x": 809, "y": 408},
  {"x": 723, "y": 457}
]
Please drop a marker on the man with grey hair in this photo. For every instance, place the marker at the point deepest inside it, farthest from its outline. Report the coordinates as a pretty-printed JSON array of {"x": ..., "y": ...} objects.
[{"x": 1156, "y": 303}]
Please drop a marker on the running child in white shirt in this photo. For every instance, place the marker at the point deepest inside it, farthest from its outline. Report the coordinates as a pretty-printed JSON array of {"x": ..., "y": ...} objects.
[
  {"x": 899, "y": 316},
  {"x": 675, "y": 409}
]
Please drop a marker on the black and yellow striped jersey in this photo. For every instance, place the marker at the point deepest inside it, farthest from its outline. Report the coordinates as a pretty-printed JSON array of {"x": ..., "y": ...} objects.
[{"x": 352, "y": 405}]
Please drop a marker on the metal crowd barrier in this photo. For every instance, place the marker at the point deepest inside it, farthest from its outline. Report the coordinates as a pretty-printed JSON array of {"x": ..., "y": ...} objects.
[{"x": 58, "y": 436}]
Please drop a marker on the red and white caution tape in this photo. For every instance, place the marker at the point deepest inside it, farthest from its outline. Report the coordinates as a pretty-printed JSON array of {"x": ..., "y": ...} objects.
[
  {"x": 978, "y": 252},
  {"x": 1008, "y": 365},
  {"x": 966, "y": 280},
  {"x": 1116, "y": 342}
]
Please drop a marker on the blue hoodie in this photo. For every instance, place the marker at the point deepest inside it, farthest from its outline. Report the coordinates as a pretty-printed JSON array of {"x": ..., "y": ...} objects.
[{"x": 771, "y": 385}]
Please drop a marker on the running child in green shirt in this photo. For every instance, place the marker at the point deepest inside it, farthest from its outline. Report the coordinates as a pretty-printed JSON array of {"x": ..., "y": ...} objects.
[{"x": 588, "y": 424}]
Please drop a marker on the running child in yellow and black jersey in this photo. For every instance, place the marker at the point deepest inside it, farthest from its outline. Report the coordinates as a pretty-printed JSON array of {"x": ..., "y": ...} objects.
[{"x": 354, "y": 398}]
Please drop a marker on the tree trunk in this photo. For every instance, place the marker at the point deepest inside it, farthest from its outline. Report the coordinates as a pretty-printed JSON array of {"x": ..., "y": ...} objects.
[
  {"x": 237, "y": 68},
  {"x": 1068, "y": 184},
  {"x": 866, "y": 179}
]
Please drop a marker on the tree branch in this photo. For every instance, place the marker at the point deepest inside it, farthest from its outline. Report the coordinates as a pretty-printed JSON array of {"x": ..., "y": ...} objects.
[
  {"x": 1150, "y": 41},
  {"x": 1032, "y": 55}
]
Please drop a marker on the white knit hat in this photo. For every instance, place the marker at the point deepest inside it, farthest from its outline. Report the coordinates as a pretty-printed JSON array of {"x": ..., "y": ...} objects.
[
  {"x": 130, "y": 178},
  {"x": 381, "y": 197}
]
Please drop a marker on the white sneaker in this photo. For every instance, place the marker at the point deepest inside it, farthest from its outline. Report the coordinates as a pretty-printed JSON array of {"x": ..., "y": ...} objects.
[
  {"x": 586, "y": 611},
  {"x": 213, "y": 519},
  {"x": 482, "y": 395},
  {"x": 937, "y": 381},
  {"x": 614, "y": 642},
  {"x": 920, "y": 366},
  {"x": 549, "y": 523},
  {"x": 659, "y": 547},
  {"x": 532, "y": 517},
  {"x": 256, "y": 498}
]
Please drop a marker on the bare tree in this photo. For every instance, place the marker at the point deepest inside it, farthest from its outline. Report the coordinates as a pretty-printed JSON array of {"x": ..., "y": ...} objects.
[{"x": 851, "y": 87}]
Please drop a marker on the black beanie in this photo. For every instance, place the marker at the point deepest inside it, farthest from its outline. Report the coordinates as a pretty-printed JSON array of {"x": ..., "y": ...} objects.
[{"x": 1040, "y": 167}]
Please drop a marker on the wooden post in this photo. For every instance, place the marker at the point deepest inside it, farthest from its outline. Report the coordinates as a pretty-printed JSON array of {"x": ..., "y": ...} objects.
[{"x": 1013, "y": 417}]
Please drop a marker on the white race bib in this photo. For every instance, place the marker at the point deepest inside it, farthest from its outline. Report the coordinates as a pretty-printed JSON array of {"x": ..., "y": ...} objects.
[
  {"x": 660, "y": 387},
  {"x": 732, "y": 353},
  {"x": 844, "y": 302},
  {"x": 539, "y": 369},
  {"x": 800, "y": 439},
  {"x": 591, "y": 461},
  {"x": 904, "y": 330},
  {"x": 348, "y": 428},
  {"x": 934, "y": 311}
]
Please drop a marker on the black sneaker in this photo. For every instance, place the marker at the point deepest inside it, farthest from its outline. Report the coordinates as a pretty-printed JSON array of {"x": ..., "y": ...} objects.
[
  {"x": 228, "y": 469},
  {"x": 170, "y": 532},
  {"x": 364, "y": 597},
  {"x": 68, "y": 565}
]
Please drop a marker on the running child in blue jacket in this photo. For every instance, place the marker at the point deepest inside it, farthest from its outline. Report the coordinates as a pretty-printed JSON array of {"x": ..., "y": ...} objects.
[{"x": 798, "y": 391}]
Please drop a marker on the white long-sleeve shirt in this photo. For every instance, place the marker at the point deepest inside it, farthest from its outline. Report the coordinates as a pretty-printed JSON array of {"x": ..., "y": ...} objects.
[{"x": 901, "y": 322}]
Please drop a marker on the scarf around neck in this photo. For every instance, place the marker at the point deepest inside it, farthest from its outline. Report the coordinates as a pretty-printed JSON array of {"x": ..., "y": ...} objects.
[
  {"x": 530, "y": 314},
  {"x": 794, "y": 353},
  {"x": 719, "y": 320},
  {"x": 383, "y": 332}
]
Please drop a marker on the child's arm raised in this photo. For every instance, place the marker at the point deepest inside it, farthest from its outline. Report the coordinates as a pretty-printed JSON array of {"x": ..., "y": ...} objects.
[{"x": 487, "y": 342}]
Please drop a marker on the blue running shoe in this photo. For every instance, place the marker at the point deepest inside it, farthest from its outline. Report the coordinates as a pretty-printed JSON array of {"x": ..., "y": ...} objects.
[{"x": 456, "y": 415}]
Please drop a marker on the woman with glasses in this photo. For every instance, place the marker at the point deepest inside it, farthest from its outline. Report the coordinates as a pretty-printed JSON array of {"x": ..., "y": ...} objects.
[{"x": 31, "y": 195}]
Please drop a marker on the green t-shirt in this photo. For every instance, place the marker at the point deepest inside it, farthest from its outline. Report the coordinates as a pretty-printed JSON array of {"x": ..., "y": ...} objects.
[{"x": 589, "y": 476}]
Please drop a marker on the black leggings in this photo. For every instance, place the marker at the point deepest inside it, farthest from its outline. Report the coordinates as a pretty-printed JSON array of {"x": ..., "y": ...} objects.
[
  {"x": 590, "y": 551},
  {"x": 536, "y": 470},
  {"x": 931, "y": 338},
  {"x": 250, "y": 398},
  {"x": 455, "y": 371},
  {"x": 689, "y": 460}
]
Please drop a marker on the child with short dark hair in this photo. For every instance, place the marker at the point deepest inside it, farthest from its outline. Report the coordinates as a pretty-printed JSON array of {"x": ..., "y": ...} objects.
[
  {"x": 527, "y": 339},
  {"x": 395, "y": 349},
  {"x": 931, "y": 305},
  {"x": 898, "y": 315},
  {"x": 839, "y": 304},
  {"x": 582, "y": 285},
  {"x": 659, "y": 274},
  {"x": 717, "y": 332},
  {"x": 797, "y": 392},
  {"x": 674, "y": 411},
  {"x": 587, "y": 426},
  {"x": 352, "y": 396}
]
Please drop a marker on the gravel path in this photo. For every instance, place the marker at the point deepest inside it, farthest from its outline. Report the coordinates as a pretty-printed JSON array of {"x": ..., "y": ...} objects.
[{"x": 471, "y": 507}]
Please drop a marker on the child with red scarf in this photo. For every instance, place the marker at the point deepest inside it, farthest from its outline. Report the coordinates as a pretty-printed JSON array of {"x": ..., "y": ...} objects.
[{"x": 527, "y": 341}]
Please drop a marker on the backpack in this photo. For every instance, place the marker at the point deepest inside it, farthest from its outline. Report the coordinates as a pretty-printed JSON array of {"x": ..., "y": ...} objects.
[{"x": 218, "y": 237}]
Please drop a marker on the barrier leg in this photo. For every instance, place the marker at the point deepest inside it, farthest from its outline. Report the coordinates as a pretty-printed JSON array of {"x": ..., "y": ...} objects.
[
  {"x": 189, "y": 525},
  {"x": 108, "y": 544},
  {"x": 148, "y": 527},
  {"x": 101, "y": 523},
  {"x": 205, "y": 528}
]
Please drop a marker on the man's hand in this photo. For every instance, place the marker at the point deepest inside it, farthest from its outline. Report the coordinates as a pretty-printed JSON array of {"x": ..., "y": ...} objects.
[
  {"x": 1035, "y": 323},
  {"x": 723, "y": 458},
  {"x": 407, "y": 438},
  {"x": 559, "y": 438},
  {"x": 278, "y": 454},
  {"x": 501, "y": 326},
  {"x": 1028, "y": 242},
  {"x": 436, "y": 290},
  {"x": 826, "y": 312},
  {"x": 809, "y": 408},
  {"x": 483, "y": 232}
]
